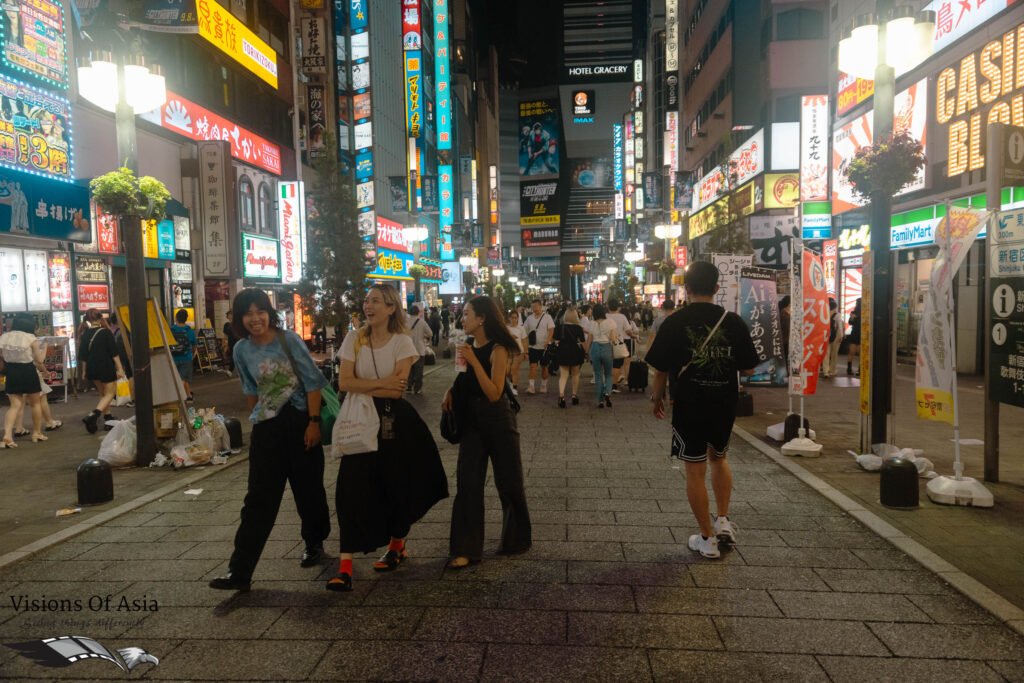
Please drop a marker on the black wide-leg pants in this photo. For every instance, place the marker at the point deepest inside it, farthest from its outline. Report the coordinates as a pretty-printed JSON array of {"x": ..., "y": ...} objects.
[{"x": 277, "y": 454}]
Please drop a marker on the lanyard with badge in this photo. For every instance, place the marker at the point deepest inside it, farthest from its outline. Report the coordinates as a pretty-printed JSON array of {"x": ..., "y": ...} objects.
[{"x": 387, "y": 420}]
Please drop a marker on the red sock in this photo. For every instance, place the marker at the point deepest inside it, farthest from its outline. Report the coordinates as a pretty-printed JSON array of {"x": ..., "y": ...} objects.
[
  {"x": 397, "y": 544},
  {"x": 345, "y": 567}
]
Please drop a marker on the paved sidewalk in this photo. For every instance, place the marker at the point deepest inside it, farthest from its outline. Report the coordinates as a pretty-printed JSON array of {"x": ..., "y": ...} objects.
[
  {"x": 608, "y": 592},
  {"x": 40, "y": 478},
  {"x": 987, "y": 544}
]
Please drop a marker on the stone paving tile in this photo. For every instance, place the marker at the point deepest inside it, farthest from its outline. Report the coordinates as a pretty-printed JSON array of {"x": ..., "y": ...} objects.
[
  {"x": 886, "y": 558},
  {"x": 74, "y": 570},
  {"x": 219, "y": 550},
  {"x": 242, "y": 660},
  {"x": 621, "y": 533},
  {"x": 859, "y": 669},
  {"x": 491, "y": 625},
  {"x": 116, "y": 534},
  {"x": 549, "y": 663},
  {"x": 159, "y": 570},
  {"x": 723, "y": 576},
  {"x": 800, "y": 557},
  {"x": 185, "y": 504},
  {"x": 1012, "y": 671},
  {"x": 512, "y": 570},
  {"x": 224, "y": 622},
  {"x": 673, "y": 552},
  {"x": 823, "y": 508},
  {"x": 68, "y": 551},
  {"x": 613, "y": 505},
  {"x": 646, "y": 630},
  {"x": 662, "y": 519},
  {"x": 710, "y": 601},
  {"x": 810, "y": 636},
  {"x": 848, "y": 540},
  {"x": 950, "y": 641},
  {"x": 883, "y": 581},
  {"x": 224, "y": 532},
  {"x": 101, "y": 625},
  {"x": 174, "y": 593},
  {"x": 847, "y": 606},
  {"x": 952, "y": 609},
  {"x": 164, "y": 550},
  {"x": 779, "y": 522},
  {"x": 17, "y": 668},
  {"x": 576, "y": 550},
  {"x": 342, "y": 621},
  {"x": 436, "y": 593},
  {"x": 636, "y": 574},
  {"x": 567, "y": 597},
  {"x": 194, "y": 519},
  {"x": 384, "y": 660},
  {"x": 572, "y": 517},
  {"x": 730, "y": 667},
  {"x": 134, "y": 519}
]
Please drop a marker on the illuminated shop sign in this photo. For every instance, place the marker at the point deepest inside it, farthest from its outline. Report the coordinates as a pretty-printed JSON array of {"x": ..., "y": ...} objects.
[
  {"x": 954, "y": 19},
  {"x": 392, "y": 265},
  {"x": 35, "y": 131},
  {"x": 261, "y": 259},
  {"x": 583, "y": 106},
  {"x": 412, "y": 26},
  {"x": 389, "y": 235},
  {"x": 33, "y": 207},
  {"x": 233, "y": 38},
  {"x": 610, "y": 72},
  {"x": 34, "y": 40},
  {"x": 200, "y": 124},
  {"x": 413, "y": 93},
  {"x": 618, "y": 160},
  {"x": 985, "y": 86},
  {"x": 435, "y": 271},
  {"x": 291, "y": 219},
  {"x": 814, "y": 148},
  {"x": 442, "y": 75}
]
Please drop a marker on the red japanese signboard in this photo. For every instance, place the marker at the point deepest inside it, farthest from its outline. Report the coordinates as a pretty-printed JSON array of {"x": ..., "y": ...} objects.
[
  {"x": 389, "y": 236},
  {"x": 107, "y": 241},
  {"x": 93, "y": 296},
  {"x": 681, "y": 257},
  {"x": 200, "y": 124}
]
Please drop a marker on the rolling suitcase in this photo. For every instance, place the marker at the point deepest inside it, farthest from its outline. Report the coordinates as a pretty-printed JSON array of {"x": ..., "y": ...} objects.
[{"x": 637, "y": 375}]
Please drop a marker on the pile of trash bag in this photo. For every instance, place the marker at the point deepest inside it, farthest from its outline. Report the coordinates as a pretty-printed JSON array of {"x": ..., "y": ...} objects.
[
  {"x": 872, "y": 462},
  {"x": 210, "y": 446}
]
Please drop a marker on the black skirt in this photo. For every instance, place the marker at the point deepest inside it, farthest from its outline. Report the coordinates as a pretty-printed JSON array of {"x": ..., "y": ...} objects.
[
  {"x": 22, "y": 378},
  {"x": 380, "y": 495}
]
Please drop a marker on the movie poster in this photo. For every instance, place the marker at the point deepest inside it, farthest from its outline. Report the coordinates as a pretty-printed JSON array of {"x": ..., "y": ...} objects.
[{"x": 539, "y": 137}]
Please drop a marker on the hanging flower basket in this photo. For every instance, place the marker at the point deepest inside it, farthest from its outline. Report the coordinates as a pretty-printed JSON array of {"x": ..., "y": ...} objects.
[
  {"x": 121, "y": 193},
  {"x": 886, "y": 167}
]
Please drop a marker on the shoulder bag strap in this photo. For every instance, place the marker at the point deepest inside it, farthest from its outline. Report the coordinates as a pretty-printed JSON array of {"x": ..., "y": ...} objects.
[
  {"x": 283, "y": 339},
  {"x": 702, "y": 346}
]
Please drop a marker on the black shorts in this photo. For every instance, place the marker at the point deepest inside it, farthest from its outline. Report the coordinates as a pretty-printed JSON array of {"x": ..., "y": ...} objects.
[
  {"x": 536, "y": 355},
  {"x": 701, "y": 427}
]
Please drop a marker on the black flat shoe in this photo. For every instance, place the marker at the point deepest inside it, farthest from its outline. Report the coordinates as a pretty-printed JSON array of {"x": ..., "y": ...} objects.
[
  {"x": 575, "y": 400},
  {"x": 311, "y": 556},
  {"x": 230, "y": 582},
  {"x": 90, "y": 422},
  {"x": 561, "y": 402},
  {"x": 390, "y": 560},
  {"x": 340, "y": 583},
  {"x": 608, "y": 401}
]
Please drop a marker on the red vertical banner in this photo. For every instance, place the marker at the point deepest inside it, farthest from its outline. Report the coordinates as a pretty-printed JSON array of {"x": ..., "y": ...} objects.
[{"x": 815, "y": 320}]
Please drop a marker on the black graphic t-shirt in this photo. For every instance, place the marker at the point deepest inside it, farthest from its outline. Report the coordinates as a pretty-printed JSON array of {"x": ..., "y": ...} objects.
[{"x": 712, "y": 374}]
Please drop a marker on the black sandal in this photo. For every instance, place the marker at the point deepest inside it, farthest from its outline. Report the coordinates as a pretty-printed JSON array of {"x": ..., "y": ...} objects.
[
  {"x": 21, "y": 432},
  {"x": 390, "y": 560},
  {"x": 340, "y": 583}
]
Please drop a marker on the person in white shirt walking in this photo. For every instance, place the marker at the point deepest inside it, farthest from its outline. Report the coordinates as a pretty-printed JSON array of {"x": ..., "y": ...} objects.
[
  {"x": 540, "y": 328},
  {"x": 515, "y": 328},
  {"x": 421, "y": 335},
  {"x": 626, "y": 333}
]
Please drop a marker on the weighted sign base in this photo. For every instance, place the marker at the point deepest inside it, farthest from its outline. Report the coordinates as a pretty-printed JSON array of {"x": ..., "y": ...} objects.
[
  {"x": 777, "y": 432},
  {"x": 803, "y": 447},
  {"x": 968, "y": 492}
]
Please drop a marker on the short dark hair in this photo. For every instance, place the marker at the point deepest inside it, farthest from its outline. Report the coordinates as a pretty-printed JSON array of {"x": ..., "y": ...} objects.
[
  {"x": 668, "y": 305},
  {"x": 537, "y": 301},
  {"x": 584, "y": 309},
  {"x": 243, "y": 301},
  {"x": 181, "y": 317},
  {"x": 613, "y": 304},
  {"x": 414, "y": 310},
  {"x": 701, "y": 278},
  {"x": 600, "y": 312},
  {"x": 24, "y": 322}
]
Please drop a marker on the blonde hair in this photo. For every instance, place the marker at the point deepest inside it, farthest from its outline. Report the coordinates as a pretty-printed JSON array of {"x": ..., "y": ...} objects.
[
  {"x": 572, "y": 317},
  {"x": 396, "y": 323}
]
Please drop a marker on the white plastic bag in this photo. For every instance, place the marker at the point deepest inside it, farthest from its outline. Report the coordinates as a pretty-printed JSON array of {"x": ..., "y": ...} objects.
[
  {"x": 195, "y": 453},
  {"x": 118, "y": 446},
  {"x": 355, "y": 430},
  {"x": 871, "y": 463}
]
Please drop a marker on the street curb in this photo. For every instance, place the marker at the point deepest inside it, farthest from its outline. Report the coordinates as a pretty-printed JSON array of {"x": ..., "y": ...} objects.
[
  {"x": 1001, "y": 608},
  {"x": 46, "y": 542},
  {"x": 38, "y": 546}
]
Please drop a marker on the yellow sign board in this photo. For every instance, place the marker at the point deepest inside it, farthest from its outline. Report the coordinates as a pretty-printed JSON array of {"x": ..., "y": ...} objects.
[
  {"x": 156, "y": 321},
  {"x": 150, "y": 241},
  {"x": 234, "y": 39}
]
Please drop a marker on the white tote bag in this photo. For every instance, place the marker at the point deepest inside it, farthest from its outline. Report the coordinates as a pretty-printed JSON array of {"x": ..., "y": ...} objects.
[{"x": 355, "y": 430}]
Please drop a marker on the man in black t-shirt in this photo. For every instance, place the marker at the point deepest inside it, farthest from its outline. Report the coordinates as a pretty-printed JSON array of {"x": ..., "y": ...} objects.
[{"x": 704, "y": 347}]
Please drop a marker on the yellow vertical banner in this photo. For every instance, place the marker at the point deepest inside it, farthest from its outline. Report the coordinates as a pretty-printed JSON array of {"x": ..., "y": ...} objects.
[
  {"x": 865, "y": 333},
  {"x": 150, "y": 240},
  {"x": 156, "y": 320}
]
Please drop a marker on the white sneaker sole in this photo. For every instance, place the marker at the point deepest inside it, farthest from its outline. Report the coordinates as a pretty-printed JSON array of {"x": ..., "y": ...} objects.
[{"x": 695, "y": 548}]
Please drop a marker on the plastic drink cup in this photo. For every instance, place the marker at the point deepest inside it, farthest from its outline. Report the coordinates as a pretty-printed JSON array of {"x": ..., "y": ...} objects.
[{"x": 460, "y": 360}]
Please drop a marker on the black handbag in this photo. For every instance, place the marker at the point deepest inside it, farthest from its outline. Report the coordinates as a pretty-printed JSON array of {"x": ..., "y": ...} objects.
[{"x": 451, "y": 427}]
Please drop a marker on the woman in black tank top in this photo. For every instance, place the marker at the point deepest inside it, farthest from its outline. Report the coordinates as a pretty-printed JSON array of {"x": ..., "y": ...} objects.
[{"x": 489, "y": 431}]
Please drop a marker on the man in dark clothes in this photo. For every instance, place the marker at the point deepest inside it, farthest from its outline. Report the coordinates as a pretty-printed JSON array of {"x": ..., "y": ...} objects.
[{"x": 704, "y": 346}]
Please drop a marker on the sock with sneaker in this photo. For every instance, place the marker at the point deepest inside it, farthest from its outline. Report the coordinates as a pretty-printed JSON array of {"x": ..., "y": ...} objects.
[
  {"x": 530, "y": 386},
  {"x": 543, "y": 386}
]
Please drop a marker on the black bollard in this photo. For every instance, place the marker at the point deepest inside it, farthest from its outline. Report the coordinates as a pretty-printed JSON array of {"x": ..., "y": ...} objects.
[
  {"x": 95, "y": 482},
  {"x": 898, "y": 483}
]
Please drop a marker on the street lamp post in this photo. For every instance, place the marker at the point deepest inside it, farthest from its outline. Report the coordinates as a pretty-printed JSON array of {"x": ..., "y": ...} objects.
[
  {"x": 139, "y": 88},
  {"x": 668, "y": 232},
  {"x": 877, "y": 49}
]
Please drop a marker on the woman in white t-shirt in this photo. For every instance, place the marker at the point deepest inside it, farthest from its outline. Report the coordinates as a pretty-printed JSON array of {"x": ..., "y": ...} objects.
[
  {"x": 515, "y": 327},
  {"x": 602, "y": 334},
  {"x": 381, "y": 494}
]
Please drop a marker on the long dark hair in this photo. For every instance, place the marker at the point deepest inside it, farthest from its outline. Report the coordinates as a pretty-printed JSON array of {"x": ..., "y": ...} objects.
[
  {"x": 245, "y": 299},
  {"x": 494, "y": 322}
]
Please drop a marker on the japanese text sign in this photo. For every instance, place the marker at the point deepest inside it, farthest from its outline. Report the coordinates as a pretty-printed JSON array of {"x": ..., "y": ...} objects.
[{"x": 233, "y": 38}]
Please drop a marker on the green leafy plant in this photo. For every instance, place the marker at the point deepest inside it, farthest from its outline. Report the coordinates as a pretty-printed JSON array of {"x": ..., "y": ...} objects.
[
  {"x": 417, "y": 271},
  {"x": 886, "y": 167},
  {"x": 121, "y": 193}
]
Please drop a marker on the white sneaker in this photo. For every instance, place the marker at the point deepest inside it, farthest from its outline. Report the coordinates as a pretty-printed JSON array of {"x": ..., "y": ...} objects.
[
  {"x": 708, "y": 547},
  {"x": 593, "y": 381},
  {"x": 515, "y": 391},
  {"x": 725, "y": 531}
]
